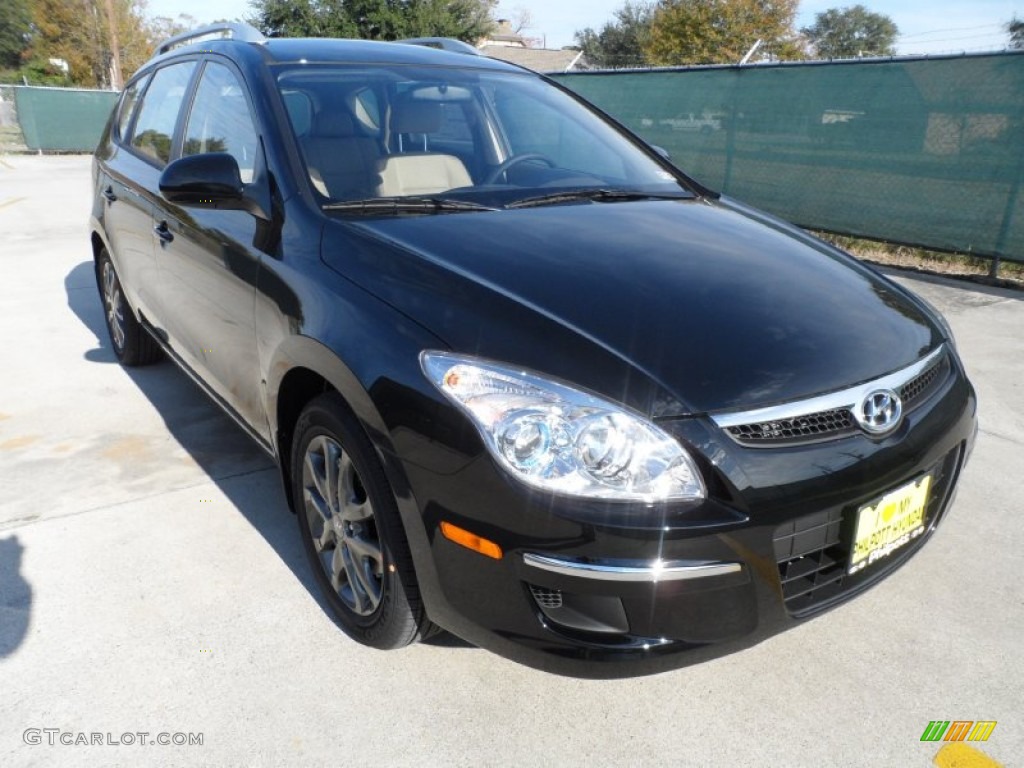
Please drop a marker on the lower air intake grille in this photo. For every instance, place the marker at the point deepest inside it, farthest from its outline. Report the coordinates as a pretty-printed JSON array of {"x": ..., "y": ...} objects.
[
  {"x": 812, "y": 558},
  {"x": 546, "y": 598},
  {"x": 812, "y": 551}
]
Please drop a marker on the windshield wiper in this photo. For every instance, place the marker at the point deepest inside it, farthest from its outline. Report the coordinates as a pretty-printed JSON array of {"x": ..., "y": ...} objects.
[
  {"x": 406, "y": 205},
  {"x": 597, "y": 195}
]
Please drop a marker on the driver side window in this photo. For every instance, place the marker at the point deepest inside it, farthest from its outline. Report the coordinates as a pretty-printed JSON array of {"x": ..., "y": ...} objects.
[{"x": 220, "y": 120}]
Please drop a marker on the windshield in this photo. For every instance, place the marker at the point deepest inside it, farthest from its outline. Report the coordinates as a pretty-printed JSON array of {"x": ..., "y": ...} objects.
[{"x": 405, "y": 134}]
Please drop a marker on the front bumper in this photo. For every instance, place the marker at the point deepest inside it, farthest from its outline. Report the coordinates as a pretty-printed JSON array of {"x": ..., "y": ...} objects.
[{"x": 581, "y": 584}]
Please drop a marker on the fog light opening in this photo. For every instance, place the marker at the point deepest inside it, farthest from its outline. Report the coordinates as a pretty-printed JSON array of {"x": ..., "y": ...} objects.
[{"x": 598, "y": 614}]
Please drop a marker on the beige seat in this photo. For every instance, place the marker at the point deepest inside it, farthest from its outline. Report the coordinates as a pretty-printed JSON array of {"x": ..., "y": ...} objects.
[
  {"x": 421, "y": 172},
  {"x": 343, "y": 164}
]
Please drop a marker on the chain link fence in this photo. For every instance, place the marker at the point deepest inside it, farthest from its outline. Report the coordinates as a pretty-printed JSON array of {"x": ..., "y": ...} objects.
[
  {"x": 62, "y": 119},
  {"x": 923, "y": 152}
]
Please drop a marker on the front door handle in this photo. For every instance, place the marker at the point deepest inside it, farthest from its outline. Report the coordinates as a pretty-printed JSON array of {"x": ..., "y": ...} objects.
[
  {"x": 163, "y": 232},
  {"x": 109, "y": 194}
]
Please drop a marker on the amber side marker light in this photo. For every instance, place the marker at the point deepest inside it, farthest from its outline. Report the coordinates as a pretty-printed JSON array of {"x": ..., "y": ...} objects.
[{"x": 470, "y": 540}]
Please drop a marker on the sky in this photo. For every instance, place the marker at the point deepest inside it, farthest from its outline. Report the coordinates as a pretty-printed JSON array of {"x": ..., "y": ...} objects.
[{"x": 926, "y": 26}]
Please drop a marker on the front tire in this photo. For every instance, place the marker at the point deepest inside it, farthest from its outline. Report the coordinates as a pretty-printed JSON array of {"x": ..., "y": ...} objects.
[
  {"x": 351, "y": 530},
  {"x": 132, "y": 344}
]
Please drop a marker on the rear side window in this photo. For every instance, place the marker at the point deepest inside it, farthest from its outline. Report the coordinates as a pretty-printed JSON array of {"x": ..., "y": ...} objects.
[
  {"x": 220, "y": 120},
  {"x": 154, "y": 128},
  {"x": 128, "y": 102}
]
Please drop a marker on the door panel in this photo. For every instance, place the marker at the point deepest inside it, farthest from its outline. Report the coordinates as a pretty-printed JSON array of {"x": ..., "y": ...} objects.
[
  {"x": 128, "y": 222},
  {"x": 208, "y": 275},
  {"x": 134, "y": 189},
  {"x": 209, "y": 258},
  {"x": 126, "y": 213}
]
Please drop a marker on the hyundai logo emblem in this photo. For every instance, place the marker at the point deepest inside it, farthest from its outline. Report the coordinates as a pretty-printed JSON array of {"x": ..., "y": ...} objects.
[{"x": 880, "y": 411}]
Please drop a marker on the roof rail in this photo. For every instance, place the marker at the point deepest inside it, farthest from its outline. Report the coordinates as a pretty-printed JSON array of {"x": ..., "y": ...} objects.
[
  {"x": 444, "y": 43},
  {"x": 230, "y": 29}
]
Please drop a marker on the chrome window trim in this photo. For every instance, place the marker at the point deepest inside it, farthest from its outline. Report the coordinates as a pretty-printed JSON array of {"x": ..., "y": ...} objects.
[
  {"x": 658, "y": 570},
  {"x": 845, "y": 398}
]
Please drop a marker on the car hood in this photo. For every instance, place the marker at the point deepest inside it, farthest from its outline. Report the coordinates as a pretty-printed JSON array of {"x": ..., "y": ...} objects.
[{"x": 719, "y": 305}]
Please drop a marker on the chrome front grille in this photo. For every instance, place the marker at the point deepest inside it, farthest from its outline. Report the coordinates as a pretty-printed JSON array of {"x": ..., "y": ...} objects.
[
  {"x": 914, "y": 391},
  {"x": 812, "y": 426},
  {"x": 831, "y": 416}
]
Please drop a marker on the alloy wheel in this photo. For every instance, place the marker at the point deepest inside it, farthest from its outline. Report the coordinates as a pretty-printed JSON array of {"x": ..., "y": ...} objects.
[
  {"x": 342, "y": 525},
  {"x": 114, "y": 304}
]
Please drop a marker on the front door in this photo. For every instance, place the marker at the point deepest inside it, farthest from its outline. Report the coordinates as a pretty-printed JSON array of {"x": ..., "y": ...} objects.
[{"x": 209, "y": 258}]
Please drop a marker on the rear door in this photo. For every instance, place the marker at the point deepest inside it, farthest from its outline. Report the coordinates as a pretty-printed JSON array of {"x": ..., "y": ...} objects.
[
  {"x": 131, "y": 188},
  {"x": 127, "y": 212}
]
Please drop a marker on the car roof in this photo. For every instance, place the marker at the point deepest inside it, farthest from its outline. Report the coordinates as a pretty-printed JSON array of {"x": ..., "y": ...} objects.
[
  {"x": 335, "y": 50},
  {"x": 370, "y": 51}
]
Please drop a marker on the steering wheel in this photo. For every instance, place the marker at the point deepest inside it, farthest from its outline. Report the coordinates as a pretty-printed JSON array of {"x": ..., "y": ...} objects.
[{"x": 516, "y": 160}]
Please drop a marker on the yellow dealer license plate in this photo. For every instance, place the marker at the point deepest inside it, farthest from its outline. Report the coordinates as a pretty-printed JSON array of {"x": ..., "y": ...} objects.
[{"x": 892, "y": 522}]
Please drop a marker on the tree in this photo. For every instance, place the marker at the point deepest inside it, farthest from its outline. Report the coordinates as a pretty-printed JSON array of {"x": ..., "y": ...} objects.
[
  {"x": 522, "y": 20},
  {"x": 1016, "y": 29},
  {"x": 840, "y": 33},
  {"x": 300, "y": 18},
  {"x": 79, "y": 32},
  {"x": 72, "y": 31},
  {"x": 721, "y": 31},
  {"x": 159, "y": 28},
  {"x": 134, "y": 34},
  {"x": 15, "y": 25},
  {"x": 620, "y": 43},
  {"x": 468, "y": 20}
]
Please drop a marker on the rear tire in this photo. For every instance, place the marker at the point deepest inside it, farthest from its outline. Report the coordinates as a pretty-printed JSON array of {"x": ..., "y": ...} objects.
[
  {"x": 351, "y": 530},
  {"x": 132, "y": 344}
]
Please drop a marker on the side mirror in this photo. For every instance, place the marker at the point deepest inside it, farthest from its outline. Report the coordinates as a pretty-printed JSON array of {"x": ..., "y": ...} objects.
[
  {"x": 210, "y": 180},
  {"x": 662, "y": 151}
]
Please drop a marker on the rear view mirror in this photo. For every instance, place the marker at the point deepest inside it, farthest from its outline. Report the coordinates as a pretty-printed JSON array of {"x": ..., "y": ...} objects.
[
  {"x": 211, "y": 180},
  {"x": 442, "y": 93}
]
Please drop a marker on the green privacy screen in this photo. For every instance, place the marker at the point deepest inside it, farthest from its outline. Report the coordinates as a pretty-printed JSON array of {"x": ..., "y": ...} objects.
[
  {"x": 62, "y": 119},
  {"x": 925, "y": 152}
]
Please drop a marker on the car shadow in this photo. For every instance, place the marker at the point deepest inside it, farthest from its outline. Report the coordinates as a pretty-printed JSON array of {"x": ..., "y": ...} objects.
[
  {"x": 15, "y": 596},
  {"x": 445, "y": 639},
  {"x": 245, "y": 474}
]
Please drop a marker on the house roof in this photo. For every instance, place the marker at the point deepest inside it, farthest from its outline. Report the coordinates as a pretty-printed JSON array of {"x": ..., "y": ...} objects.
[{"x": 537, "y": 59}]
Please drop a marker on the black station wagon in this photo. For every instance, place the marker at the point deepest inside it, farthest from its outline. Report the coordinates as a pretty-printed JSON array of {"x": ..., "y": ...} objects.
[{"x": 525, "y": 380}]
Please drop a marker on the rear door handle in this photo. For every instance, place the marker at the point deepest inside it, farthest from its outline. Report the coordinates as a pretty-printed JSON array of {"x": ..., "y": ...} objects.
[
  {"x": 163, "y": 232},
  {"x": 109, "y": 194}
]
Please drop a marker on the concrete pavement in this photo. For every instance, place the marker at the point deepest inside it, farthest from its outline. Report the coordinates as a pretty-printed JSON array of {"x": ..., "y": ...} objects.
[{"x": 152, "y": 581}]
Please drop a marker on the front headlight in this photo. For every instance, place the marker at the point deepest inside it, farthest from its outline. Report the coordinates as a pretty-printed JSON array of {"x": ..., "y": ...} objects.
[{"x": 559, "y": 439}]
